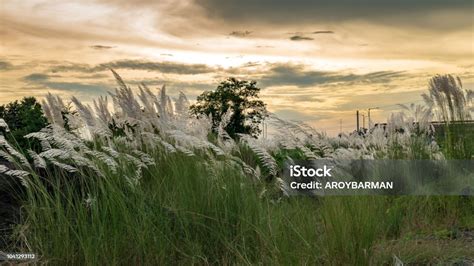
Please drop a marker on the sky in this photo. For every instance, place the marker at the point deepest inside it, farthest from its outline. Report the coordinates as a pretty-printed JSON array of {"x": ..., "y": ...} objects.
[{"x": 315, "y": 61}]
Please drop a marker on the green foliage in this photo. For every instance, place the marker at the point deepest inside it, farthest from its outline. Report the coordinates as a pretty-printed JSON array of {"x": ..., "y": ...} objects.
[
  {"x": 456, "y": 139},
  {"x": 282, "y": 155},
  {"x": 23, "y": 118},
  {"x": 351, "y": 228},
  {"x": 120, "y": 129},
  {"x": 241, "y": 97},
  {"x": 65, "y": 113}
]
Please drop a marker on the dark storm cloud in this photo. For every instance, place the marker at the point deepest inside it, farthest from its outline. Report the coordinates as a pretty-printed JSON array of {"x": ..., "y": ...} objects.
[
  {"x": 416, "y": 13},
  {"x": 101, "y": 47},
  {"x": 162, "y": 67},
  {"x": 297, "y": 75},
  {"x": 300, "y": 38}
]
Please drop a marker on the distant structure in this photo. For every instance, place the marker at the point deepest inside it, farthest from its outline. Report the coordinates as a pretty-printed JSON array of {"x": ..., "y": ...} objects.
[{"x": 439, "y": 127}]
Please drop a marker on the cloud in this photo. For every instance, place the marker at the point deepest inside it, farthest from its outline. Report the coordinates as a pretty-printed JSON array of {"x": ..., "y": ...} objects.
[
  {"x": 162, "y": 67},
  {"x": 73, "y": 67},
  {"x": 300, "y": 33},
  {"x": 101, "y": 47},
  {"x": 251, "y": 64},
  {"x": 44, "y": 80},
  {"x": 4, "y": 65},
  {"x": 292, "y": 114},
  {"x": 420, "y": 13},
  {"x": 36, "y": 77},
  {"x": 298, "y": 75},
  {"x": 240, "y": 34},
  {"x": 323, "y": 32},
  {"x": 96, "y": 89},
  {"x": 300, "y": 38},
  {"x": 386, "y": 101},
  {"x": 91, "y": 76},
  {"x": 173, "y": 86}
]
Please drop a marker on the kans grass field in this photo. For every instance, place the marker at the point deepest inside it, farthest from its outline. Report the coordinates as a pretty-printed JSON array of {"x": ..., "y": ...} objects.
[{"x": 148, "y": 184}]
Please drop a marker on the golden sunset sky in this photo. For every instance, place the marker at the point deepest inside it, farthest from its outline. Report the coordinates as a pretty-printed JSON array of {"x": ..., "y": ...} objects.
[{"x": 316, "y": 61}]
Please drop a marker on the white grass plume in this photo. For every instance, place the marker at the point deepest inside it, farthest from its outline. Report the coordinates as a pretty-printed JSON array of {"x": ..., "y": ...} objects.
[{"x": 4, "y": 125}]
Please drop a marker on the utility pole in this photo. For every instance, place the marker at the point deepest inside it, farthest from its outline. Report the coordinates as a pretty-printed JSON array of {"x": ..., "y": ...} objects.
[
  {"x": 370, "y": 122},
  {"x": 357, "y": 120},
  {"x": 363, "y": 121}
]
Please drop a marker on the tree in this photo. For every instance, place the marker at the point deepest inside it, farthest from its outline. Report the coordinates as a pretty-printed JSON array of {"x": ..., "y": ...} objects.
[
  {"x": 238, "y": 96},
  {"x": 23, "y": 118}
]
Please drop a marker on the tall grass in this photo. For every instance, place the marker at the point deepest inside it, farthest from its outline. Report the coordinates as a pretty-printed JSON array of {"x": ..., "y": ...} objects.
[
  {"x": 177, "y": 215},
  {"x": 351, "y": 228},
  {"x": 180, "y": 213},
  {"x": 145, "y": 184}
]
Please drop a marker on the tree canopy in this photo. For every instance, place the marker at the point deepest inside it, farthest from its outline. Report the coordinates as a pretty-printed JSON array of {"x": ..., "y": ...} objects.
[
  {"x": 238, "y": 96},
  {"x": 22, "y": 118}
]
